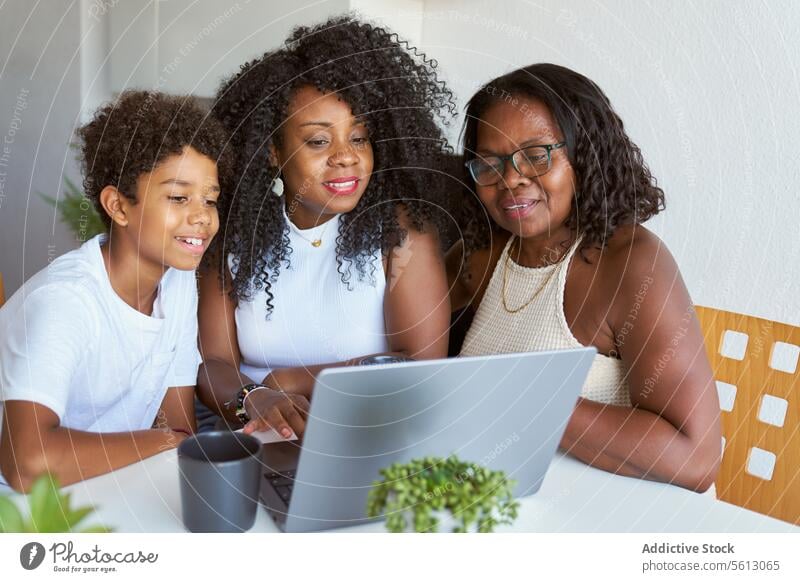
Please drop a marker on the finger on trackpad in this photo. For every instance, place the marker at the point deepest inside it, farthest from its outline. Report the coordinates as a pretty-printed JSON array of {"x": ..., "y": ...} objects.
[{"x": 270, "y": 436}]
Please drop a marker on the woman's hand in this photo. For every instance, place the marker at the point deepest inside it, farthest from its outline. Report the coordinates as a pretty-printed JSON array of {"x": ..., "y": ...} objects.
[
  {"x": 296, "y": 380},
  {"x": 283, "y": 411}
]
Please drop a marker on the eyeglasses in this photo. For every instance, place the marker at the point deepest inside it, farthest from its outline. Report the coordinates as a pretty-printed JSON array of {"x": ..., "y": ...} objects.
[{"x": 530, "y": 161}]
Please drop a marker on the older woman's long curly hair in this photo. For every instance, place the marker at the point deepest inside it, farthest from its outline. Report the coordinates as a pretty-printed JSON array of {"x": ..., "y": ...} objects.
[
  {"x": 614, "y": 185},
  {"x": 397, "y": 92}
]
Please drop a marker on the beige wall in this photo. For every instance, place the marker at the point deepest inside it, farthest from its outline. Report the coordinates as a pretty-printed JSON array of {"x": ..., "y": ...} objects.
[{"x": 709, "y": 90}]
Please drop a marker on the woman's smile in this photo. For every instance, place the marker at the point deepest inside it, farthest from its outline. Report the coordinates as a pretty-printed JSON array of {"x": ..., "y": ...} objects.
[
  {"x": 325, "y": 148},
  {"x": 342, "y": 186},
  {"x": 516, "y": 208},
  {"x": 527, "y": 206}
]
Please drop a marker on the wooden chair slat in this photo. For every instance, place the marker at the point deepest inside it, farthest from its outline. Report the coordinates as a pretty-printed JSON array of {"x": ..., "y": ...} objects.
[{"x": 742, "y": 429}]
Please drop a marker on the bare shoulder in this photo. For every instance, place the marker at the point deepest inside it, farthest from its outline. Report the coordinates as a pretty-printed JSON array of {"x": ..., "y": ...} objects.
[
  {"x": 632, "y": 254},
  {"x": 415, "y": 234},
  {"x": 469, "y": 277},
  {"x": 637, "y": 262}
]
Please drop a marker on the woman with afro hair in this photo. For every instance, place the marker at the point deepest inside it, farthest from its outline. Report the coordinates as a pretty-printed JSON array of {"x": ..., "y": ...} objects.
[
  {"x": 557, "y": 258},
  {"x": 328, "y": 249}
]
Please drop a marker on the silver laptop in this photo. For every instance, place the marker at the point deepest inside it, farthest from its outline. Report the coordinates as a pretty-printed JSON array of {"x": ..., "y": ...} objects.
[{"x": 506, "y": 412}]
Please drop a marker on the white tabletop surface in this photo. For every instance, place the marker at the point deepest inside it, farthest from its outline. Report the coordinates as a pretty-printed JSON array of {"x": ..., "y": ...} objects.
[{"x": 145, "y": 497}]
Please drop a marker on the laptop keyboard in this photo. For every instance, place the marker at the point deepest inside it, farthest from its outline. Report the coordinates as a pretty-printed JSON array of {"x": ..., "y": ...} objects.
[{"x": 283, "y": 483}]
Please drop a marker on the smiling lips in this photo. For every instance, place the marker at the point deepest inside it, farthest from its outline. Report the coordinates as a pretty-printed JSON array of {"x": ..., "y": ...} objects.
[
  {"x": 342, "y": 186},
  {"x": 195, "y": 244},
  {"x": 518, "y": 207}
]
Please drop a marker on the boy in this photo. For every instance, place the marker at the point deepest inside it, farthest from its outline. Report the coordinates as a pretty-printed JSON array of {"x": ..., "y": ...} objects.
[{"x": 98, "y": 351}]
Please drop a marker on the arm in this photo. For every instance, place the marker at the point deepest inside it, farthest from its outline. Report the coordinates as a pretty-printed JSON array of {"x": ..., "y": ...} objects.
[
  {"x": 467, "y": 279},
  {"x": 40, "y": 352},
  {"x": 417, "y": 305},
  {"x": 33, "y": 443},
  {"x": 672, "y": 433},
  {"x": 416, "y": 308},
  {"x": 219, "y": 379},
  {"x": 177, "y": 410},
  {"x": 460, "y": 294}
]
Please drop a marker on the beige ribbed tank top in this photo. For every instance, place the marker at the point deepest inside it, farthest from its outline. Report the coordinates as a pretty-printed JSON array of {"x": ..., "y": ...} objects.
[{"x": 539, "y": 326}]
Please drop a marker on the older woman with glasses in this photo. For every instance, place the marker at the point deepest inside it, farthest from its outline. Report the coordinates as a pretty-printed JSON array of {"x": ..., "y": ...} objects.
[{"x": 562, "y": 261}]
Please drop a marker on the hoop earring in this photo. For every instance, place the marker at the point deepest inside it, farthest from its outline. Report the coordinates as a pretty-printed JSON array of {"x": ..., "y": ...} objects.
[{"x": 277, "y": 186}]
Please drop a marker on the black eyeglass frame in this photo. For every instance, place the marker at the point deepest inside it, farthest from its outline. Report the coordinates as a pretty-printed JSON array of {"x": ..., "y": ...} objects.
[{"x": 549, "y": 147}]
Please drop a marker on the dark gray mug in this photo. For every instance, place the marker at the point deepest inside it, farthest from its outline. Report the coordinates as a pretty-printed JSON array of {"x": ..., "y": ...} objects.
[{"x": 220, "y": 481}]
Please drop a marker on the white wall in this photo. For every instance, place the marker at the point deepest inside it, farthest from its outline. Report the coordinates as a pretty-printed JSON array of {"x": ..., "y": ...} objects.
[
  {"x": 60, "y": 60},
  {"x": 188, "y": 46},
  {"x": 95, "y": 65},
  {"x": 709, "y": 90},
  {"x": 405, "y": 17},
  {"x": 40, "y": 96},
  {"x": 66, "y": 58}
]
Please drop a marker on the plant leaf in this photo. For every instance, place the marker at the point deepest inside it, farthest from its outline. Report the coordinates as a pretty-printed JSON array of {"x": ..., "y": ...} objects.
[
  {"x": 96, "y": 529},
  {"x": 50, "y": 200},
  {"x": 48, "y": 507},
  {"x": 51, "y": 511},
  {"x": 76, "y": 211},
  {"x": 474, "y": 495},
  {"x": 11, "y": 520},
  {"x": 72, "y": 188},
  {"x": 75, "y": 516},
  {"x": 39, "y": 500}
]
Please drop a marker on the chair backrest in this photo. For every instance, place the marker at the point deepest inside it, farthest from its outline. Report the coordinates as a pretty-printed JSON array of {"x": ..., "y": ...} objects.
[{"x": 755, "y": 363}]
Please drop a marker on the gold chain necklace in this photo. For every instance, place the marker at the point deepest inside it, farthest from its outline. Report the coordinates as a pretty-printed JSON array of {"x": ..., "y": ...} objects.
[
  {"x": 316, "y": 242},
  {"x": 538, "y": 291}
]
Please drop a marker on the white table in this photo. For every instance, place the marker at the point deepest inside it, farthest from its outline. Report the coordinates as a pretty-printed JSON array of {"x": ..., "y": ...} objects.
[{"x": 145, "y": 497}]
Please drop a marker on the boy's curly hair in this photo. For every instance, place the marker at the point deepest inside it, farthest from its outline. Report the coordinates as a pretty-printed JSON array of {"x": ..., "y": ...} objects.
[
  {"x": 398, "y": 93},
  {"x": 137, "y": 132},
  {"x": 614, "y": 185}
]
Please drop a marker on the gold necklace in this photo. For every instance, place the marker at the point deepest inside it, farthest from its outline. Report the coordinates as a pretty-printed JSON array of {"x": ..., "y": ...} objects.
[
  {"x": 538, "y": 291},
  {"x": 317, "y": 242}
]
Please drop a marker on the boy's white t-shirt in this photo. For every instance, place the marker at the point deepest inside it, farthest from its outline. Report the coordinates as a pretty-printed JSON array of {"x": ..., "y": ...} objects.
[{"x": 70, "y": 343}]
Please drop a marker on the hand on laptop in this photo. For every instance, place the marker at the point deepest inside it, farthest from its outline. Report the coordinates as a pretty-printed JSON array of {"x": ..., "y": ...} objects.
[{"x": 282, "y": 411}]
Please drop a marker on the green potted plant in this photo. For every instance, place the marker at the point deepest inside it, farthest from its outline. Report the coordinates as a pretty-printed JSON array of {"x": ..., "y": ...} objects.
[
  {"x": 428, "y": 490},
  {"x": 50, "y": 512},
  {"x": 77, "y": 212}
]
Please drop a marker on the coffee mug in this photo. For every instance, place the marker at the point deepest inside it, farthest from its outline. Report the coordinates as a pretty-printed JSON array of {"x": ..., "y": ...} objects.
[{"x": 220, "y": 481}]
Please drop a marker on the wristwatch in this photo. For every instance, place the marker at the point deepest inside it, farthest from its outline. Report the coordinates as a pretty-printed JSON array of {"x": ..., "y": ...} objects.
[{"x": 383, "y": 359}]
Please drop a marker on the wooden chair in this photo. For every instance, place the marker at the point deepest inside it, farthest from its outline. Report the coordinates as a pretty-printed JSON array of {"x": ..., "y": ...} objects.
[{"x": 755, "y": 364}]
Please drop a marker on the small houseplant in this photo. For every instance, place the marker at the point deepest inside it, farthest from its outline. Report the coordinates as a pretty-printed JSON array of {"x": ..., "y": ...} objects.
[
  {"x": 50, "y": 511},
  {"x": 424, "y": 490},
  {"x": 77, "y": 212}
]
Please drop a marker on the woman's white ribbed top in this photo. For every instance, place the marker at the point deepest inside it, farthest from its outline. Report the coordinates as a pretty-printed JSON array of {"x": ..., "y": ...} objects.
[{"x": 317, "y": 318}]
